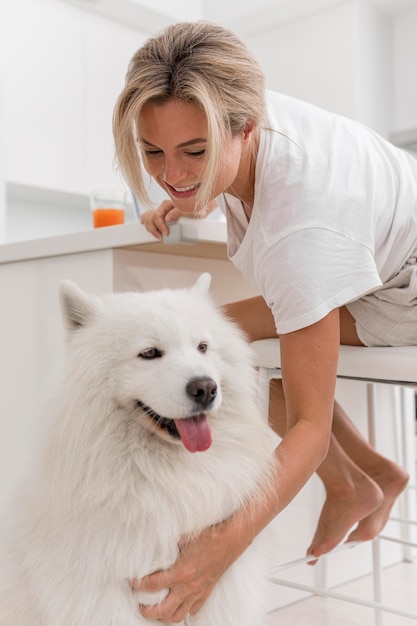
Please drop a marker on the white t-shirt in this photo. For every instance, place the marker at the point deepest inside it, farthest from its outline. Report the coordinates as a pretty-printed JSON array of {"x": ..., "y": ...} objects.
[{"x": 334, "y": 215}]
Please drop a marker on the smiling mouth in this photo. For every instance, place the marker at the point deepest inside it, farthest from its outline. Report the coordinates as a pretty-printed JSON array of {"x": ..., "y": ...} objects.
[
  {"x": 181, "y": 191},
  {"x": 163, "y": 422}
]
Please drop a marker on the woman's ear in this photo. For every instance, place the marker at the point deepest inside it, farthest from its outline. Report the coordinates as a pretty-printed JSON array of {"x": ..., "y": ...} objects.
[{"x": 248, "y": 130}]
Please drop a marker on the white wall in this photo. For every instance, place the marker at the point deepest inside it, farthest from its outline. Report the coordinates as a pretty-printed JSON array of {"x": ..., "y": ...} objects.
[
  {"x": 296, "y": 59},
  {"x": 2, "y": 132},
  {"x": 374, "y": 83},
  {"x": 405, "y": 75},
  {"x": 255, "y": 17},
  {"x": 229, "y": 11},
  {"x": 339, "y": 59},
  {"x": 187, "y": 10}
]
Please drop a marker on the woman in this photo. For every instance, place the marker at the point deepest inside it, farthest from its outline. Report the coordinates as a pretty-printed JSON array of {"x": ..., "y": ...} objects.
[{"x": 322, "y": 219}]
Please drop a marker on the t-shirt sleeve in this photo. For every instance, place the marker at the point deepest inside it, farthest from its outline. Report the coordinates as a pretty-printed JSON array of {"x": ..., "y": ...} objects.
[{"x": 312, "y": 271}]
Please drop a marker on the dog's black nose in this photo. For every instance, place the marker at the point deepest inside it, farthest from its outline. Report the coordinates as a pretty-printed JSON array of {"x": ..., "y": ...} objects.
[{"x": 202, "y": 390}]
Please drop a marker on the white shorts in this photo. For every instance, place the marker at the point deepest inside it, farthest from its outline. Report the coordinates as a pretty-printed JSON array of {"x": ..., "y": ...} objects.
[{"x": 388, "y": 316}]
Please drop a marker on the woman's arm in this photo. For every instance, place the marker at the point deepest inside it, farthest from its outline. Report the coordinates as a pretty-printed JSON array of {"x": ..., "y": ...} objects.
[{"x": 309, "y": 364}]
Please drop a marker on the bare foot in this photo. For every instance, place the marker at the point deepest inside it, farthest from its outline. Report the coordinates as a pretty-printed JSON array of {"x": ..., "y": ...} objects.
[
  {"x": 392, "y": 480},
  {"x": 342, "y": 510},
  {"x": 367, "y": 503}
]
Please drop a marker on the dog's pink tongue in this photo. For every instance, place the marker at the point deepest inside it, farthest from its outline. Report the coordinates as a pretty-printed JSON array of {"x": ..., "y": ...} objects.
[{"x": 195, "y": 432}]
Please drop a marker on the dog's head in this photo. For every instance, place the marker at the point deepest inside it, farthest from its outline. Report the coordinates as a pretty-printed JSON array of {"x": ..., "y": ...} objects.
[{"x": 164, "y": 356}]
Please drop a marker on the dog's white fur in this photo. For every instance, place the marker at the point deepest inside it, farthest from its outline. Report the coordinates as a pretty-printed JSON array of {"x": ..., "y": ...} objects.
[{"x": 113, "y": 492}]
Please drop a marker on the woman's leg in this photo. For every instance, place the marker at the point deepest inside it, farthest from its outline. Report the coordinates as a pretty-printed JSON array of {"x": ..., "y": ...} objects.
[
  {"x": 351, "y": 495},
  {"x": 390, "y": 477},
  {"x": 253, "y": 316}
]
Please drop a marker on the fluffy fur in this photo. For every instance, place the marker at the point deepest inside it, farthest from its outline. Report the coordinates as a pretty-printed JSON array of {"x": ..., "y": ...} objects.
[{"x": 114, "y": 490}]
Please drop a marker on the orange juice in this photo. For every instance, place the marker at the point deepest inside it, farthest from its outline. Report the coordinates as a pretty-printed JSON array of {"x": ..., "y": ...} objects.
[{"x": 108, "y": 217}]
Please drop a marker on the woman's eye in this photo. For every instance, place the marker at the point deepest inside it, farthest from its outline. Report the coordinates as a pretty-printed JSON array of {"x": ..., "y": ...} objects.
[
  {"x": 197, "y": 155},
  {"x": 150, "y": 353},
  {"x": 202, "y": 347}
]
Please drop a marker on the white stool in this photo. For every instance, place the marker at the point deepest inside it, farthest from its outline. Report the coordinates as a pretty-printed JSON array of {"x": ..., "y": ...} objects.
[{"x": 394, "y": 366}]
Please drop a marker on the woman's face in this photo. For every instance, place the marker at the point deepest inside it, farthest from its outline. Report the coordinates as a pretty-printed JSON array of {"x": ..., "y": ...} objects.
[{"x": 173, "y": 138}]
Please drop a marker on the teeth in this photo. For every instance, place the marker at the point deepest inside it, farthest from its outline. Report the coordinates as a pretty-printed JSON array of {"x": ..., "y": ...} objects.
[{"x": 182, "y": 189}]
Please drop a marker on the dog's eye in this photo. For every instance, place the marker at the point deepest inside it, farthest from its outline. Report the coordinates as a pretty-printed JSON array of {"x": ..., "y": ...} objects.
[
  {"x": 150, "y": 353},
  {"x": 202, "y": 347}
]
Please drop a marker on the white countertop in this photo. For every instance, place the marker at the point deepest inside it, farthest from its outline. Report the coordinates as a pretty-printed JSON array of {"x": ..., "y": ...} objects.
[{"x": 189, "y": 237}]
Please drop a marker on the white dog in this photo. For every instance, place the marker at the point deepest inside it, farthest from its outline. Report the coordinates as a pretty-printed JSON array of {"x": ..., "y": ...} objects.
[{"x": 156, "y": 434}]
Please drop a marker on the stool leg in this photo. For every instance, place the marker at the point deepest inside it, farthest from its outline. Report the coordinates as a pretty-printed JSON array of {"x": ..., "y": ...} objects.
[
  {"x": 404, "y": 500},
  {"x": 376, "y": 544},
  {"x": 265, "y": 376},
  {"x": 407, "y": 415},
  {"x": 402, "y": 458}
]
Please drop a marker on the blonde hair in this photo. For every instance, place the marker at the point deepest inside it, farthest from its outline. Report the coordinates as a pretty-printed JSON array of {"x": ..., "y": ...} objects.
[{"x": 197, "y": 62}]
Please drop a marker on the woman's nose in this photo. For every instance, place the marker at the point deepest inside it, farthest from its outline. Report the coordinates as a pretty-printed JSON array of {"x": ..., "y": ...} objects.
[{"x": 174, "y": 171}]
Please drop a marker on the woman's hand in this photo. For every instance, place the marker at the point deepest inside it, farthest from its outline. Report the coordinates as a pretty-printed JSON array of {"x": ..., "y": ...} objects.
[
  {"x": 155, "y": 220},
  {"x": 201, "y": 562}
]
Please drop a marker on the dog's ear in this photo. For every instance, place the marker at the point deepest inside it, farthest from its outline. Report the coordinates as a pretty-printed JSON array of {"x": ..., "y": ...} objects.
[
  {"x": 77, "y": 306},
  {"x": 202, "y": 285}
]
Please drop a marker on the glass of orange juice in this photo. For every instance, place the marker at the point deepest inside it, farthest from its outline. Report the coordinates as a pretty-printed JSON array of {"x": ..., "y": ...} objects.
[{"x": 108, "y": 207}]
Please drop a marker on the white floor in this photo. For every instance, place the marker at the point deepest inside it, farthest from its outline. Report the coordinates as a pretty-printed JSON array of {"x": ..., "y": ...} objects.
[{"x": 400, "y": 590}]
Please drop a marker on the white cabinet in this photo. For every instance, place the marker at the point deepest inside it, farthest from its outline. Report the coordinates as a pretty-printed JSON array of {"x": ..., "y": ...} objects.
[
  {"x": 64, "y": 70},
  {"x": 44, "y": 108}
]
